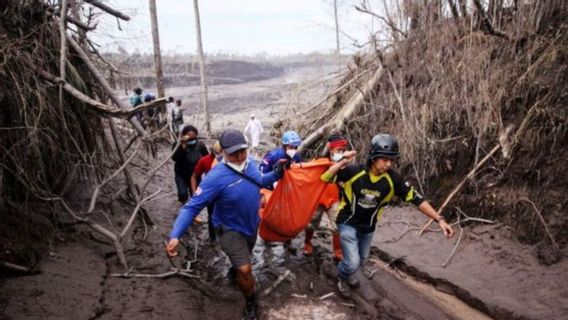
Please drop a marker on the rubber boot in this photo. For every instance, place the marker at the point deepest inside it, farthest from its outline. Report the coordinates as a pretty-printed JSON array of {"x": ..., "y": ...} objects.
[
  {"x": 308, "y": 248},
  {"x": 337, "y": 252}
]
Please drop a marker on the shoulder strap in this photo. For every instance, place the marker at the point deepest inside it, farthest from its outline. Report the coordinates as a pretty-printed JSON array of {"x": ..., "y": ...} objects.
[{"x": 244, "y": 176}]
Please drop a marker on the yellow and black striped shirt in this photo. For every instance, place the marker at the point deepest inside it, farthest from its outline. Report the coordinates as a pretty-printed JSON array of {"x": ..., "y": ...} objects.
[{"x": 364, "y": 195}]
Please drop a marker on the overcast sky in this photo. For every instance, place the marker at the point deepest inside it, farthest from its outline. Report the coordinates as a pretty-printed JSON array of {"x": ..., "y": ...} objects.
[{"x": 236, "y": 26}]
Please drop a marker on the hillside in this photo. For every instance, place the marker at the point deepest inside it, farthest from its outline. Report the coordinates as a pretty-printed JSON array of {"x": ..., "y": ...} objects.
[{"x": 457, "y": 90}]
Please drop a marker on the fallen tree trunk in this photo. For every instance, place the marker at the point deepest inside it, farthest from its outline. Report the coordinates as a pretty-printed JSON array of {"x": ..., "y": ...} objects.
[
  {"x": 338, "y": 121},
  {"x": 337, "y": 90},
  {"x": 96, "y": 105}
]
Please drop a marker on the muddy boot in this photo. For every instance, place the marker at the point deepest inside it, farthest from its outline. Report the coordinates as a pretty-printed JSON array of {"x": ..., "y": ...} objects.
[
  {"x": 352, "y": 281},
  {"x": 308, "y": 248},
  {"x": 343, "y": 288},
  {"x": 251, "y": 309},
  {"x": 288, "y": 246},
  {"x": 337, "y": 252}
]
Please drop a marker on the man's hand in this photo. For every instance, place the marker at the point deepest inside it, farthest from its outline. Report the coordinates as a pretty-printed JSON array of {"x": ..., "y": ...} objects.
[
  {"x": 171, "y": 247},
  {"x": 280, "y": 166},
  {"x": 349, "y": 154},
  {"x": 345, "y": 161},
  {"x": 446, "y": 228}
]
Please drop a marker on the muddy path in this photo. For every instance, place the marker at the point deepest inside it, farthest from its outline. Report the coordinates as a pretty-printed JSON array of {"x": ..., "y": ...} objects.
[
  {"x": 77, "y": 283},
  {"x": 77, "y": 279}
]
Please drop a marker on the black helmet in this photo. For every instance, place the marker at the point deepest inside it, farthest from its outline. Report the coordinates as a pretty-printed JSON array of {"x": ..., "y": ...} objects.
[{"x": 383, "y": 146}]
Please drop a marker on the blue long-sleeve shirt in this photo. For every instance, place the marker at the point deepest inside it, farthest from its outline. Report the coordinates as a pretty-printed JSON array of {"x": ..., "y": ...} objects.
[
  {"x": 272, "y": 157},
  {"x": 237, "y": 199}
]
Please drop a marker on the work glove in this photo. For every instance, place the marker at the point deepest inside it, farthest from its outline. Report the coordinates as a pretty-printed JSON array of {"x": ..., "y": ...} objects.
[{"x": 279, "y": 168}]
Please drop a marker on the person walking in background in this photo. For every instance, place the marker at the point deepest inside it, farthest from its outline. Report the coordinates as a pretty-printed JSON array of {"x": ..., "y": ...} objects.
[
  {"x": 136, "y": 100},
  {"x": 203, "y": 166},
  {"x": 253, "y": 130},
  {"x": 186, "y": 157},
  {"x": 175, "y": 117},
  {"x": 366, "y": 190},
  {"x": 151, "y": 116},
  {"x": 234, "y": 187}
]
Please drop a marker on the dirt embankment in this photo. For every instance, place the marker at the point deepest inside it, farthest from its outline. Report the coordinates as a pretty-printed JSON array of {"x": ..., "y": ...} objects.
[
  {"x": 489, "y": 269},
  {"x": 452, "y": 89}
]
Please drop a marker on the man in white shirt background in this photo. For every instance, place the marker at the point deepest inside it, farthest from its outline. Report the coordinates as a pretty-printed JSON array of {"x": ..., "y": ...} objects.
[{"x": 253, "y": 130}]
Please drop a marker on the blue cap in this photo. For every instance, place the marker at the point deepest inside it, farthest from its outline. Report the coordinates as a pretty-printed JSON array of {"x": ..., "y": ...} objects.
[{"x": 232, "y": 140}]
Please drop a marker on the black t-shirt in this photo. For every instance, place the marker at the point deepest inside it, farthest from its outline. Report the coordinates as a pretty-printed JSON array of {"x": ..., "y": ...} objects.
[
  {"x": 186, "y": 159},
  {"x": 364, "y": 195}
]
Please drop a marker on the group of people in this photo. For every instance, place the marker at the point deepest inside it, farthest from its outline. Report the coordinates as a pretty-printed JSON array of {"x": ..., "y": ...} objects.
[
  {"x": 153, "y": 117},
  {"x": 231, "y": 192}
]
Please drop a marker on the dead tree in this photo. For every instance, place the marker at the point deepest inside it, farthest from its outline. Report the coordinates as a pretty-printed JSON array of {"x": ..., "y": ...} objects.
[
  {"x": 338, "y": 121},
  {"x": 203, "y": 75},
  {"x": 337, "y": 49},
  {"x": 157, "y": 52}
]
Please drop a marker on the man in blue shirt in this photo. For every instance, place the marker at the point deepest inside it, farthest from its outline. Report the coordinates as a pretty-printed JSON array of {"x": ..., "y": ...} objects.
[
  {"x": 289, "y": 151},
  {"x": 135, "y": 101},
  {"x": 234, "y": 187}
]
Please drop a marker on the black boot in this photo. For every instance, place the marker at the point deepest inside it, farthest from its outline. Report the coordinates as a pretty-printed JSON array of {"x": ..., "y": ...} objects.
[{"x": 251, "y": 309}]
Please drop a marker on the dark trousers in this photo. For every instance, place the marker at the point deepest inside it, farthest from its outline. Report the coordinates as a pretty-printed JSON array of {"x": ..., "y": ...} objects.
[
  {"x": 210, "y": 222},
  {"x": 184, "y": 191}
]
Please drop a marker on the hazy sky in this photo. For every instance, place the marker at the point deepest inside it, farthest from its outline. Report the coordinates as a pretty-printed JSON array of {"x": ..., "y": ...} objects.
[{"x": 235, "y": 26}]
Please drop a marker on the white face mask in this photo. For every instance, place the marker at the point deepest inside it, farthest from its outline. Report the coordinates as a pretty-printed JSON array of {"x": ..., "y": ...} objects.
[
  {"x": 336, "y": 156},
  {"x": 291, "y": 153},
  {"x": 238, "y": 167}
]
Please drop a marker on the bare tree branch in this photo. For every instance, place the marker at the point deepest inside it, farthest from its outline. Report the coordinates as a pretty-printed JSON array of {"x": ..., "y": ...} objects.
[
  {"x": 556, "y": 247},
  {"x": 104, "y": 84},
  {"x": 108, "y": 9},
  {"x": 116, "y": 172},
  {"x": 388, "y": 23}
]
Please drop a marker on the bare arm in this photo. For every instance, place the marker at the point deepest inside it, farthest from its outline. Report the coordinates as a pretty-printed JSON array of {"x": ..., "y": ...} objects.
[
  {"x": 193, "y": 183},
  {"x": 428, "y": 210}
]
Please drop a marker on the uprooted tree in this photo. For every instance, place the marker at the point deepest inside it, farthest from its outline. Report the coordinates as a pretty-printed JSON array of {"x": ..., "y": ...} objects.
[{"x": 65, "y": 132}]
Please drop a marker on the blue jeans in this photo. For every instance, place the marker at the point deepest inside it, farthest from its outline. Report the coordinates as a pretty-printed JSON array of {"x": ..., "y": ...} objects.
[{"x": 356, "y": 247}]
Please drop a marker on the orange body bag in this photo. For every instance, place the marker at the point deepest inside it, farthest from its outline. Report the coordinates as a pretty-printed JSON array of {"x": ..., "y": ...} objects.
[{"x": 290, "y": 207}]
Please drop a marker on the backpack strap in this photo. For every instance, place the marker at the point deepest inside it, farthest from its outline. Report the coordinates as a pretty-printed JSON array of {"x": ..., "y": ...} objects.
[{"x": 244, "y": 176}]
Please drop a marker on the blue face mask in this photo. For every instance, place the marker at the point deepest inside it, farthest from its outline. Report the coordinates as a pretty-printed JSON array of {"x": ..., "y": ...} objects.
[{"x": 191, "y": 142}]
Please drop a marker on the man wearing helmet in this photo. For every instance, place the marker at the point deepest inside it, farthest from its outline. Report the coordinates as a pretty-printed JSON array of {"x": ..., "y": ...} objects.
[
  {"x": 367, "y": 189},
  {"x": 283, "y": 156},
  {"x": 289, "y": 151}
]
